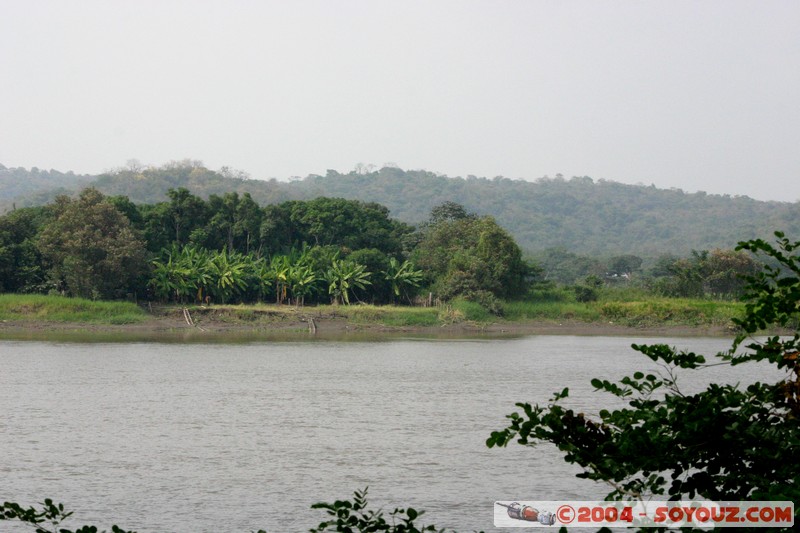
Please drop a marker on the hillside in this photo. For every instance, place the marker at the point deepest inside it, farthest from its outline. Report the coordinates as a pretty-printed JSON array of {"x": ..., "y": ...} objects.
[
  {"x": 32, "y": 187},
  {"x": 578, "y": 214}
]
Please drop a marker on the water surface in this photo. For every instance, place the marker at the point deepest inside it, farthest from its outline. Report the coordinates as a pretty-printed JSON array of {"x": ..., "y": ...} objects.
[{"x": 162, "y": 437}]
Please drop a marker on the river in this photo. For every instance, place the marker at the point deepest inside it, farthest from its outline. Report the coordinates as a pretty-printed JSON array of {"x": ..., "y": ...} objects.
[{"x": 170, "y": 437}]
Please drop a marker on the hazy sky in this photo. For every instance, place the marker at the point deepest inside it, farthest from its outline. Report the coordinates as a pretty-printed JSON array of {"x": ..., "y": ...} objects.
[{"x": 700, "y": 95}]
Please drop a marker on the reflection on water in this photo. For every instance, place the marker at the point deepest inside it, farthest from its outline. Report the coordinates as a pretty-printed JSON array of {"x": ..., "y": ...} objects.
[
  {"x": 159, "y": 437},
  {"x": 193, "y": 336}
]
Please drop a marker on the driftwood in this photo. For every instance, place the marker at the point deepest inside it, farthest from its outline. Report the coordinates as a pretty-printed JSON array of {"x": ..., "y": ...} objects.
[{"x": 188, "y": 317}]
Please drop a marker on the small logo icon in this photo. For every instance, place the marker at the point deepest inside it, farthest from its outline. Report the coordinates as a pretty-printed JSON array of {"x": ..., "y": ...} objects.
[
  {"x": 565, "y": 514},
  {"x": 529, "y": 514}
]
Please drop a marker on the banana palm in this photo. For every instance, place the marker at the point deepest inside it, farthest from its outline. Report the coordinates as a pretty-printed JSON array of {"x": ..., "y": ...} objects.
[
  {"x": 229, "y": 273},
  {"x": 402, "y": 275},
  {"x": 344, "y": 276},
  {"x": 197, "y": 264},
  {"x": 263, "y": 277},
  {"x": 172, "y": 276},
  {"x": 300, "y": 279},
  {"x": 278, "y": 272}
]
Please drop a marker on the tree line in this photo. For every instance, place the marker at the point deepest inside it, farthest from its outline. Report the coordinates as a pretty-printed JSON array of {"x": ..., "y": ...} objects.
[
  {"x": 229, "y": 249},
  {"x": 717, "y": 273},
  {"x": 583, "y": 215}
]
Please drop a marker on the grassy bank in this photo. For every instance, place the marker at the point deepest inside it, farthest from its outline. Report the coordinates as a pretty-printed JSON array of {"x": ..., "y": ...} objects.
[
  {"x": 652, "y": 312},
  {"x": 264, "y": 314},
  {"x": 38, "y": 307},
  {"x": 633, "y": 311},
  {"x": 636, "y": 313}
]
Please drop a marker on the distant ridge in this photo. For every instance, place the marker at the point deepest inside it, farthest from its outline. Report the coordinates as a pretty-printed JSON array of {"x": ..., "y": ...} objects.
[{"x": 578, "y": 214}]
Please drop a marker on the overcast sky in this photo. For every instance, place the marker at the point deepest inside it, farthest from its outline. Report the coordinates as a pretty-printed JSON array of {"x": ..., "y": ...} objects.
[{"x": 699, "y": 95}]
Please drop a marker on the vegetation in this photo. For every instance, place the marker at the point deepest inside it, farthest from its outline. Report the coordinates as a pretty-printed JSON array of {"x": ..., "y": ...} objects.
[
  {"x": 47, "y": 519},
  {"x": 53, "y": 308},
  {"x": 755, "y": 428},
  {"x": 345, "y": 516},
  {"x": 579, "y": 215},
  {"x": 91, "y": 249},
  {"x": 229, "y": 249},
  {"x": 473, "y": 257},
  {"x": 36, "y": 186}
]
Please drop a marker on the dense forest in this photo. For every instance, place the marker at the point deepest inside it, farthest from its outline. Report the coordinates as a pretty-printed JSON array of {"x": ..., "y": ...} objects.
[
  {"x": 577, "y": 215},
  {"x": 229, "y": 248}
]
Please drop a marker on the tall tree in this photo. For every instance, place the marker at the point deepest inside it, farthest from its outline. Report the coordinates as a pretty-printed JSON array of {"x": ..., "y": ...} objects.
[
  {"x": 20, "y": 261},
  {"x": 184, "y": 212},
  {"x": 91, "y": 248},
  {"x": 467, "y": 254},
  {"x": 248, "y": 224}
]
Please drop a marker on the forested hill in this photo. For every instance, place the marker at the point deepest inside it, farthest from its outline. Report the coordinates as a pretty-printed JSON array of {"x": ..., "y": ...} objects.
[
  {"x": 35, "y": 186},
  {"x": 578, "y": 214}
]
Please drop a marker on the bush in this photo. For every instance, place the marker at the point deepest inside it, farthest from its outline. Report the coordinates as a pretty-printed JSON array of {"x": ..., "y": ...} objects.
[
  {"x": 584, "y": 293},
  {"x": 487, "y": 300}
]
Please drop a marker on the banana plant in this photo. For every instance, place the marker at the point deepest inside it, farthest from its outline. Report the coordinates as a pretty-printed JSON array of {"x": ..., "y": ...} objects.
[
  {"x": 162, "y": 279},
  {"x": 300, "y": 279},
  {"x": 278, "y": 272},
  {"x": 344, "y": 276},
  {"x": 229, "y": 273},
  {"x": 197, "y": 262},
  {"x": 172, "y": 276},
  {"x": 263, "y": 277},
  {"x": 402, "y": 275}
]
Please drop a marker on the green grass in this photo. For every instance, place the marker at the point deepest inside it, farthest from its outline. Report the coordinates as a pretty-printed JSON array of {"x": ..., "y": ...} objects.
[
  {"x": 629, "y": 309},
  {"x": 671, "y": 311},
  {"x": 626, "y": 309},
  {"x": 550, "y": 310},
  {"x": 471, "y": 311},
  {"x": 39, "y": 307}
]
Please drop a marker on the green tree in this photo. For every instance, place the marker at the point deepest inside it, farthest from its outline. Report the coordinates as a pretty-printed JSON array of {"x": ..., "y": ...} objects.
[
  {"x": 223, "y": 224},
  {"x": 248, "y": 224},
  {"x": 91, "y": 247},
  {"x": 467, "y": 255},
  {"x": 348, "y": 223},
  {"x": 566, "y": 267},
  {"x": 183, "y": 213},
  {"x": 624, "y": 266},
  {"x": 181, "y": 220},
  {"x": 21, "y": 268},
  {"x": 448, "y": 212},
  {"x": 277, "y": 233},
  {"x": 718, "y": 273},
  {"x": 726, "y": 272},
  {"x": 724, "y": 443}
]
